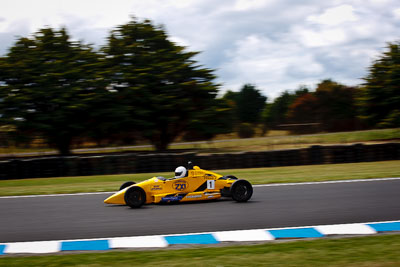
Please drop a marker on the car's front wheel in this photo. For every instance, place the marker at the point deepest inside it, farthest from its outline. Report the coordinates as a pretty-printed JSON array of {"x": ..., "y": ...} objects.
[
  {"x": 241, "y": 190},
  {"x": 135, "y": 197}
]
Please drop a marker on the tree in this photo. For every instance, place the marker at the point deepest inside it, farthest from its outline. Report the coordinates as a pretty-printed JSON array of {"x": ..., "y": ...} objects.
[
  {"x": 231, "y": 98},
  {"x": 250, "y": 104},
  {"x": 303, "y": 109},
  {"x": 380, "y": 96},
  {"x": 336, "y": 109},
  {"x": 217, "y": 118},
  {"x": 47, "y": 86},
  {"x": 332, "y": 106},
  {"x": 276, "y": 112},
  {"x": 162, "y": 85}
]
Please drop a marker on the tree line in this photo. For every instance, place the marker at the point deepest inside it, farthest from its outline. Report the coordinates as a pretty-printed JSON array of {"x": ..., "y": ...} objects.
[
  {"x": 142, "y": 86},
  {"x": 139, "y": 85},
  {"x": 331, "y": 106}
]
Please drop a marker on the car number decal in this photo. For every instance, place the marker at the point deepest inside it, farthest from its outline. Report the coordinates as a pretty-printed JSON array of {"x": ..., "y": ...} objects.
[
  {"x": 180, "y": 185},
  {"x": 210, "y": 184}
]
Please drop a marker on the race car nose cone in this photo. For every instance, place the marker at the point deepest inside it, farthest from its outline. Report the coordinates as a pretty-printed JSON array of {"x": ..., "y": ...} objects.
[{"x": 117, "y": 198}]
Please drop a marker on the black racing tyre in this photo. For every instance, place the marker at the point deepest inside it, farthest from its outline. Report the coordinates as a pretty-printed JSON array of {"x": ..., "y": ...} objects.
[
  {"x": 241, "y": 190},
  {"x": 126, "y": 184},
  {"x": 135, "y": 197}
]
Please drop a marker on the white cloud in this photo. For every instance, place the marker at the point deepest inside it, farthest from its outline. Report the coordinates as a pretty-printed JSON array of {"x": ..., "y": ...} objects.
[
  {"x": 324, "y": 37},
  {"x": 396, "y": 13},
  {"x": 333, "y": 27},
  {"x": 4, "y": 25},
  {"x": 273, "y": 66},
  {"x": 246, "y": 5},
  {"x": 334, "y": 16}
]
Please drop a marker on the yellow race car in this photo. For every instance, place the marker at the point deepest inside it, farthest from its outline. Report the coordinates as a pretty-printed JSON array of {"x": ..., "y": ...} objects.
[{"x": 189, "y": 184}]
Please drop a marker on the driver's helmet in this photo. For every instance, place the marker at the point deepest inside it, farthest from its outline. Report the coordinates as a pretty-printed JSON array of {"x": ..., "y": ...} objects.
[{"x": 180, "y": 172}]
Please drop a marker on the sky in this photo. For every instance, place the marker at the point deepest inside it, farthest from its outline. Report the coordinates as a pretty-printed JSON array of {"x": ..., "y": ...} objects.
[{"x": 275, "y": 45}]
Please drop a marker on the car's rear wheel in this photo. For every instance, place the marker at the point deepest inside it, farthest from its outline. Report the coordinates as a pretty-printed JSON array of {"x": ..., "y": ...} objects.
[
  {"x": 241, "y": 190},
  {"x": 135, "y": 197},
  {"x": 126, "y": 184}
]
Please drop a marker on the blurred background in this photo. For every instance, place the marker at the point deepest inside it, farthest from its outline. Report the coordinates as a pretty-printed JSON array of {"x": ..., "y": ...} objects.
[
  {"x": 142, "y": 92},
  {"x": 93, "y": 95}
]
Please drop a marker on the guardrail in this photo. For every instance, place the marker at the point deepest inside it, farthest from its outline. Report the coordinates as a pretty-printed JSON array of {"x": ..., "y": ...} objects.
[{"x": 80, "y": 165}]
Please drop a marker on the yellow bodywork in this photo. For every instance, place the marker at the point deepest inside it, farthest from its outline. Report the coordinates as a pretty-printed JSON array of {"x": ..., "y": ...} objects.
[{"x": 198, "y": 185}]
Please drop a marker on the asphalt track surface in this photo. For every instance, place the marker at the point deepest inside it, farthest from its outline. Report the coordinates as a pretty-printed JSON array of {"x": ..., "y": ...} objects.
[{"x": 85, "y": 216}]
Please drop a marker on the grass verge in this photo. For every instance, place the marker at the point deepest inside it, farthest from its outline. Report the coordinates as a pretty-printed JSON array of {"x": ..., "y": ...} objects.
[
  {"x": 230, "y": 143},
  {"x": 309, "y": 173},
  {"x": 292, "y": 141},
  {"x": 382, "y": 250}
]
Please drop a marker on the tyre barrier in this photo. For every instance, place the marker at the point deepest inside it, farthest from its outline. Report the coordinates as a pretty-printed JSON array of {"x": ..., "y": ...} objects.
[{"x": 76, "y": 165}]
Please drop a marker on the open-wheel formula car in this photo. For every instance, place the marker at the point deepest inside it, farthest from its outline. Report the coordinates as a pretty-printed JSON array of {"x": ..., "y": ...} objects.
[{"x": 192, "y": 184}]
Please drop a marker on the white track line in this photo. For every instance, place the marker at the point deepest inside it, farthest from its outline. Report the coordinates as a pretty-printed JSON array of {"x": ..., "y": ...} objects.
[
  {"x": 331, "y": 182},
  {"x": 60, "y": 195},
  {"x": 259, "y": 185}
]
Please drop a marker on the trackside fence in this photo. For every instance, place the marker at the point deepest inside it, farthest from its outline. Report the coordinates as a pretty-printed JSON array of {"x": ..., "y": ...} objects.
[{"x": 81, "y": 165}]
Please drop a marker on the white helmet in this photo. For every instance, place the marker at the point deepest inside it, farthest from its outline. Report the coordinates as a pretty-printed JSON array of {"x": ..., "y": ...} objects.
[{"x": 180, "y": 172}]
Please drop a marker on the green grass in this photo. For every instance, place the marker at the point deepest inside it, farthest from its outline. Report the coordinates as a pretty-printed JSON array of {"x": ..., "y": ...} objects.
[
  {"x": 274, "y": 140},
  {"x": 307, "y": 173},
  {"x": 382, "y": 250},
  {"x": 297, "y": 141}
]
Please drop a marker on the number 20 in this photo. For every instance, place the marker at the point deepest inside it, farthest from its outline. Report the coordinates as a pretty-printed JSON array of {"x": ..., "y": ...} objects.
[{"x": 180, "y": 186}]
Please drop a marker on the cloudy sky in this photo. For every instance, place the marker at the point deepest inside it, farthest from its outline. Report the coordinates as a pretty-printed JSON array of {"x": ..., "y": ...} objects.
[{"x": 273, "y": 44}]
